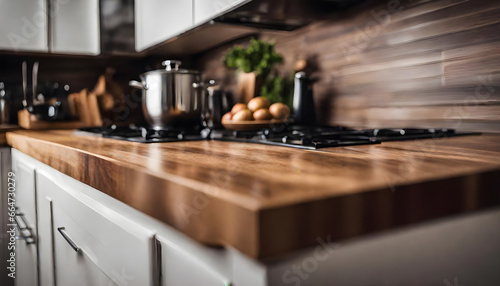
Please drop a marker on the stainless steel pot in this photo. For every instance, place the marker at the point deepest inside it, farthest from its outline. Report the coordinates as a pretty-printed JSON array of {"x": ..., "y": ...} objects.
[{"x": 171, "y": 97}]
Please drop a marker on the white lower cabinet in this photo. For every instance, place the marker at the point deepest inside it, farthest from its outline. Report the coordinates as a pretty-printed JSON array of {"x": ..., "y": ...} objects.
[
  {"x": 75, "y": 260},
  {"x": 86, "y": 237},
  {"x": 5, "y": 239},
  {"x": 81, "y": 240},
  {"x": 26, "y": 243},
  {"x": 92, "y": 244}
]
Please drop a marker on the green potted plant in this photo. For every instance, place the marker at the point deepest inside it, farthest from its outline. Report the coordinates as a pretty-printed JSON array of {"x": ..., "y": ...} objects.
[{"x": 254, "y": 63}]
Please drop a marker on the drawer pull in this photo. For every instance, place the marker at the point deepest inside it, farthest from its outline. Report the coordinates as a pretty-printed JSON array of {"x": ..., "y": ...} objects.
[
  {"x": 69, "y": 240},
  {"x": 24, "y": 229}
]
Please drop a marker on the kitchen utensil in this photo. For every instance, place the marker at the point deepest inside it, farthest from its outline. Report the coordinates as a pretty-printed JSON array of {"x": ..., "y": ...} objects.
[
  {"x": 172, "y": 97},
  {"x": 34, "y": 80},
  {"x": 214, "y": 106},
  {"x": 4, "y": 105},
  {"x": 254, "y": 124},
  {"x": 303, "y": 102},
  {"x": 52, "y": 89},
  {"x": 47, "y": 111},
  {"x": 25, "y": 84}
]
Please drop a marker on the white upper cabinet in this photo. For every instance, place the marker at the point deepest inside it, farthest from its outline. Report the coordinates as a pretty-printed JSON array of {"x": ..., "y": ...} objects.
[
  {"x": 73, "y": 24},
  {"x": 75, "y": 27},
  {"x": 205, "y": 10},
  {"x": 159, "y": 20},
  {"x": 23, "y": 25}
]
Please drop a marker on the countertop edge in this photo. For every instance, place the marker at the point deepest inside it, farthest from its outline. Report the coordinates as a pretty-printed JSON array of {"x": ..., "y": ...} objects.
[{"x": 301, "y": 224}]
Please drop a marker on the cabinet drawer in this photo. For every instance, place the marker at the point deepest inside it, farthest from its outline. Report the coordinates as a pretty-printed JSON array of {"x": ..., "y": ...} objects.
[
  {"x": 82, "y": 266},
  {"x": 111, "y": 247}
]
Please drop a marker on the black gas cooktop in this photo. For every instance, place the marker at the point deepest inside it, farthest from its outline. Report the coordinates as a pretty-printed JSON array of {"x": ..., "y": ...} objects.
[
  {"x": 143, "y": 135},
  {"x": 303, "y": 137}
]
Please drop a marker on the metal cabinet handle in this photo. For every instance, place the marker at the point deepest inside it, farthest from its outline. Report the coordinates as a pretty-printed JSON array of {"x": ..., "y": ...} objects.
[
  {"x": 69, "y": 240},
  {"x": 24, "y": 229}
]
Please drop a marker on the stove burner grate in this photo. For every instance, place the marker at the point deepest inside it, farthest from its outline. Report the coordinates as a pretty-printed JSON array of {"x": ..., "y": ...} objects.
[{"x": 303, "y": 137}]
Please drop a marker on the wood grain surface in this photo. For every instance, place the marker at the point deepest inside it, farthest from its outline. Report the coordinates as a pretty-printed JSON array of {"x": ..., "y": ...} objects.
[
  {"x": 422, "y": 63},
  {"x": 268, "y": 200},
  {"x": 4, "y": 127}
]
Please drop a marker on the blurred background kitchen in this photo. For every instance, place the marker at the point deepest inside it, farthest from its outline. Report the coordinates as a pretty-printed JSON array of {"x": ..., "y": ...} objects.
[
  {"x": 371, "y": 65},
  {"x": 407, "y": 63}
]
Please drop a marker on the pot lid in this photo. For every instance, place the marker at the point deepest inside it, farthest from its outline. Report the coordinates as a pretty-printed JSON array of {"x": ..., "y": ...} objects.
[{"x": 172, "y": 66}]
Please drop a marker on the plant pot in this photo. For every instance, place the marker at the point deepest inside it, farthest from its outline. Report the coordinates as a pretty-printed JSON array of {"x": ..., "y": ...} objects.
[{"x": 249, "y": 86}]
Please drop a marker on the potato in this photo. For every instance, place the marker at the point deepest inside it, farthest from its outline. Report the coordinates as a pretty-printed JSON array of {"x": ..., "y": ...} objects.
[
  {"x": 258, "y": 103},
  {"x": 262, "y": 114},
  {"x": 227, "y": 117},
  {"x": 237, "y": 107},
  {"x": 280, "y": 111},
  {"x": 242, "y": 115}
]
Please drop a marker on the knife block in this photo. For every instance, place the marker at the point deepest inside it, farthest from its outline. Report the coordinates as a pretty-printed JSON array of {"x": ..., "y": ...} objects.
[{"x": 84, "y": 104}]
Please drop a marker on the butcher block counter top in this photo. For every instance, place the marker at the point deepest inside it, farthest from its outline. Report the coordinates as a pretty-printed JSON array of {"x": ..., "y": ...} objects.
[
  {"x": 4, "y": 127},
  {"x": 268, "y": 200}
]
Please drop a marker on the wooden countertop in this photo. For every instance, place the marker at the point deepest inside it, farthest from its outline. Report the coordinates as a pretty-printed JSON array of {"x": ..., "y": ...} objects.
[
  {"x": 4, "y": 127},
  {"x": 267, "y": 200}
]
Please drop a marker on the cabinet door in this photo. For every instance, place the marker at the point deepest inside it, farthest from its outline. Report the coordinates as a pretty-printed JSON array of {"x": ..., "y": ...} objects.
[
  {"x": 23, "y": 25},
  {"x": 159, "y": 20},
  {"x": 6, "y": 167},
  {"x": 181, "y": 267},
  {"x": 75, "y": 27},
  {"x": 45, "y": 236},
  {"x": 26, "y": 248},
  {"x": 93, "y": 245},
  {"x": 74, "y": 265},
  {"x": 205, "y": 10}
]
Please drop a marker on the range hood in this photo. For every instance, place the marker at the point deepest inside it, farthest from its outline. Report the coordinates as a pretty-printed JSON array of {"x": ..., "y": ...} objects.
[
  {"x": 286, "y": 15},
  {"x": 246, "y": 19}
]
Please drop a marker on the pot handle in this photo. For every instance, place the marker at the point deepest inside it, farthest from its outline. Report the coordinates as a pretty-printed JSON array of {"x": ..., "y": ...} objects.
[{"x": 136, "y": 84}]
